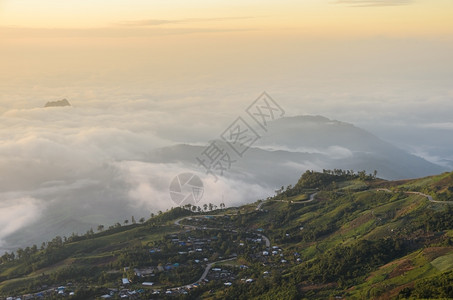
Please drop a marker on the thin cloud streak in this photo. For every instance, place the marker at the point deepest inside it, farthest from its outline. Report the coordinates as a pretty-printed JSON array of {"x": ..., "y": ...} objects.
[
  {"x": 374, "y": 3},
  {"x": 442, "y": 125},
  {"x": 157, "y": 22},
  {"x": 108, "y": 32}
]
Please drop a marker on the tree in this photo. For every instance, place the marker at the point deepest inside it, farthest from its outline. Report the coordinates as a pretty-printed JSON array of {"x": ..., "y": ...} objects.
[
  {"x": 205, "y": 207},
  {"x": 142, "y": 220},
  {"x": 20, "y": 253},
  {"x": 126, "y": 222},
  {"x": 279, "y": 191},
  {"x": 100, "y": 227},
  {"x": 133, "y": 220},
  {"x": 362, "y": 175}
]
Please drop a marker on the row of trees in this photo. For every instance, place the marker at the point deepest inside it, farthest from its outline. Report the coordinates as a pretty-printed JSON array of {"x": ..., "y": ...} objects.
[
  {"x": 126, "y": 222},
  {"x": 58, "y": 242},
  {"x": 351, "y": 174},
  {"x": 324, "y": 181},
  {"x": 195, "y": 208},
  {"x": 205, "y": 207}
]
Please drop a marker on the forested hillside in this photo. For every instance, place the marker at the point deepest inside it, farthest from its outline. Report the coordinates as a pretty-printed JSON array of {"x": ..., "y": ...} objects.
[{"x": 336, "y": 234}]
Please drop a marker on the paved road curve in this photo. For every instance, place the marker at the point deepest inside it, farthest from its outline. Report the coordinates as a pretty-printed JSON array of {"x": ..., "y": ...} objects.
[
  {"x": 205, "y": 273},
  {"x": 209, "y": 266},
  {"x": 178, "y": 223},
  {"x": 266, "y": 240},
  {"x": 312, "y": 198},
  {"x": 430, "y": 198}
]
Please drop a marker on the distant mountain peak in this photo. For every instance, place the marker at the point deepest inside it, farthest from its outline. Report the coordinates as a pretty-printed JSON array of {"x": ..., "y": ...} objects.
[
  {"x": 303, "y": 119},
  {"x": 59, "y": 103}
]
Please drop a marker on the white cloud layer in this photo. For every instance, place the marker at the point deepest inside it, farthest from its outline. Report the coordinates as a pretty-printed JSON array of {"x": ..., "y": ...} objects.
[
  {"x": 334, "y": 152},
  {"x": 17, "y": 213},
  {"x": 93, "y": 156},
  {"x": 90, "y": 166}
]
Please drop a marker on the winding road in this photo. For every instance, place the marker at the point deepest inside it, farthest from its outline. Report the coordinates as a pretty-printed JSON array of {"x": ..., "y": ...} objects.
[
  {"x": 177, "y": 222},
  {"x": 429, "y": 197},
  {"x": 258, "y": 207},
  {"x": 265, "y": 238},
  {"x": 205, "y": 273},
  {"x": 209, "y": 265},
  {"x": 312, "y": 198}
]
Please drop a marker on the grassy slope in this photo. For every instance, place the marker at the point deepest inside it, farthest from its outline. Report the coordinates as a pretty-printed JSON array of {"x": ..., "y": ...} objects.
[
  {"x": 352, "y": 211},
  {"x": 376, "y": 214},
  {"x": 94, "y": 252}
]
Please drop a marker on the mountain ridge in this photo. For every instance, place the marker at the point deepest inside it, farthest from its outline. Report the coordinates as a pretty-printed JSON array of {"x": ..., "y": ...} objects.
[{"x": 316, "y": 142}]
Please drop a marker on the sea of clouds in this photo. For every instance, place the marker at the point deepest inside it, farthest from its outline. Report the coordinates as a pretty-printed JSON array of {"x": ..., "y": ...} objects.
[
  {"x": 91, "y": 165},
  {"x": 87, "y": 164}
]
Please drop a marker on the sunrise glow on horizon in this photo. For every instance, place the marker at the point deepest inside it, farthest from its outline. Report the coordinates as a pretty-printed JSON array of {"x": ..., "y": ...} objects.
[{"x": 330, "y": 17}]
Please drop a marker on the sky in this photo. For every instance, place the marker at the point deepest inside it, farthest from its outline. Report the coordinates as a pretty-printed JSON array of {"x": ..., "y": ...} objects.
[
  {"x": 331, "y": 17},
  {"x": 147, "y": 74}
]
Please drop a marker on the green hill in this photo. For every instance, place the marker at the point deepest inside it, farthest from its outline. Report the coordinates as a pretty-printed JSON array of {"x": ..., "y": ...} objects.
[{"x": 336, "y": 234}]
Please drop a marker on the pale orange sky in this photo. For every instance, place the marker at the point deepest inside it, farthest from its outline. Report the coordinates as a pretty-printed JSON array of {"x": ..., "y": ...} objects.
[
  {"x": 331, "y": 17},
  {"x": 142, "y": 45}
]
